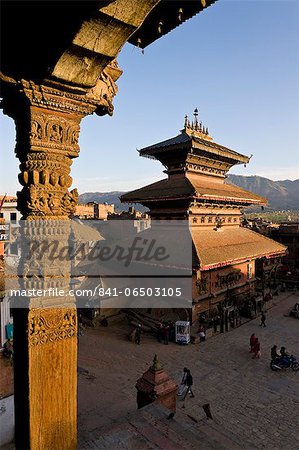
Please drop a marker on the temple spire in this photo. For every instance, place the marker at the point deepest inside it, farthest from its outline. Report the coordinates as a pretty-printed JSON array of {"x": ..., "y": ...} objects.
[
  {"x": 195, "y": 114},
  {"x": 196, "y": 128},
  {"x": 156, "y": 364}
]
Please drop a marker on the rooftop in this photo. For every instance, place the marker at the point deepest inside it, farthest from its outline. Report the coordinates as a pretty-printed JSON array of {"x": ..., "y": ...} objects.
[
  {"x": 192, "y": 186},
  {"x": 7, "y": 198},
  {"x": 195, "y": 138},
  {"x": 227, "y": 246}
]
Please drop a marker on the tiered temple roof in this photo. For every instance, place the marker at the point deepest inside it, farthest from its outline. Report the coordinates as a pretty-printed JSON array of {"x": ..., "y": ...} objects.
[
  {"x": 196, "y": 168},
  {"x": 195, "y": 188},
  {"x": 192, "y": 187}
]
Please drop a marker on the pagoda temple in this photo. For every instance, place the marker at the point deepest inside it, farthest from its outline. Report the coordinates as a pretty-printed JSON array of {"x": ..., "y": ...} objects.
[{"x": 225, "y": 255}]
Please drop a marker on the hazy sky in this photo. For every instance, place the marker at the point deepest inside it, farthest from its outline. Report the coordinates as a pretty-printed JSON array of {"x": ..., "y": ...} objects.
[{"x": 238, "y": 62}]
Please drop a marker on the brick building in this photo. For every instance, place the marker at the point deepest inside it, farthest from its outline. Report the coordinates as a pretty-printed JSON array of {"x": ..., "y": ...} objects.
[{"x": 288, "y": 234}]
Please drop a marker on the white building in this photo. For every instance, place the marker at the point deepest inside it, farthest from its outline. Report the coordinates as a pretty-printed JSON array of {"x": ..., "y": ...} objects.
[{"x": 10, "y": 216}]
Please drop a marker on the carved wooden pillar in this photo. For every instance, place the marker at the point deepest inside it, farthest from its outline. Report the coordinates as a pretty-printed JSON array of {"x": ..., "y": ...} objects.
[{"x": 47, "y": 122}]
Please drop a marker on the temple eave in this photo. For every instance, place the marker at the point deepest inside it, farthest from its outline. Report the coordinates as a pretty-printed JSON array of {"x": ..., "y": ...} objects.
[
  {"x": 242, "y": 201},
  {"x": 243, "y": 259},
  {"x": 239, "y": 201},
  {"x": 167, "y": 17}
]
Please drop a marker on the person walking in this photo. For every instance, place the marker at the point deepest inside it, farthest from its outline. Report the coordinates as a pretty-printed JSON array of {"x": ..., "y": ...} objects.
[
  {"x": 252, "y": 342},
  {"x": 183, "y": 388},
  {"x": 160, "y": 331},
  {"x": 188, "y": 382},
  {"x": 201, "y": 333},
  {"x": 166, "y": 333},
  {"x": 171, "y": 332},
  {"x": 138, "y": 334},
  {"x": 263, "y": 320},
  {"x": 257, "y": 349},
  {"x": 185, "y": 370}
]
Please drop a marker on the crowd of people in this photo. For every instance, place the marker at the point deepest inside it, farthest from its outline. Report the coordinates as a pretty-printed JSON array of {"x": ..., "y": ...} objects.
[
  {"x": 166, "y": 332},
  {"x": 255, "y": 348}
]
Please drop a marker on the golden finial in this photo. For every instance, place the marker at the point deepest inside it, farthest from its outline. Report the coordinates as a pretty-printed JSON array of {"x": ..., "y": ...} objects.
[
  {"x": 156, "y": 365},
  {"x": 186, "y": 121},
  {"x": 160, "y": 25},
  {"x": 180, "y": 14},
  {"x": 195, "y": 114}
]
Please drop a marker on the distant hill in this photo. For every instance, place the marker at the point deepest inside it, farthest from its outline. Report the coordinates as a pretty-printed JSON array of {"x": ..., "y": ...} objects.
[
  {"x": 282, "y": 195},
  {"x": 101, "y": 197},
  {"x": 108, "y": 197}
]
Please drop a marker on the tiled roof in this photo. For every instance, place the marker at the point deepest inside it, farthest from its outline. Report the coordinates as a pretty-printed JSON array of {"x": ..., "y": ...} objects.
[
  {"x": 8, "y": 198},
  {"x": 164, "y": 189},
  {"x": 185, "y": 140},
  {"x": 191, "y": 186},
  {"x": 229, "y": 245},
  {"x": 180, "y": 139},
  {"x": 209, "y": 189}
]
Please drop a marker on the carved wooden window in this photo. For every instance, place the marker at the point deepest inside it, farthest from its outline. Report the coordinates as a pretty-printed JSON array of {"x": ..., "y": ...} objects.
[
  {"x": 210, "y": 219},
  {"x": 229, "y": 219},
  {"x": 202, "y": 219},
  {"x": 228, "y": 279}
]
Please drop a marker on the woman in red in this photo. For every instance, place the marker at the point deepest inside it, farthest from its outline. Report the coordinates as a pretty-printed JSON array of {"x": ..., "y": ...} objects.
[
  {"x": 257, "y": 349},
  {"x": 252, "y": 342}
]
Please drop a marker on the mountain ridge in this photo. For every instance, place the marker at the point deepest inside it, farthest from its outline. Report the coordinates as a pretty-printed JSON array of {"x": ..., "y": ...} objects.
[{"x": 282, "y": 194}]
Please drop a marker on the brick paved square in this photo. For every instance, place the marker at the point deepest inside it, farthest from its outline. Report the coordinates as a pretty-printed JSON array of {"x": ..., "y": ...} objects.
[{"x": 252, "y": 405}]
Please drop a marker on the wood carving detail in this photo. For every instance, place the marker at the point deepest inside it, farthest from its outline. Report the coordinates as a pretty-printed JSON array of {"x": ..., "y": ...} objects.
[
  {"x": 50, "y": 325},
  {"x": 43, "y": 201},
  {"x": 45, "y": 167},
  {"x": 51, "y": 132}
]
